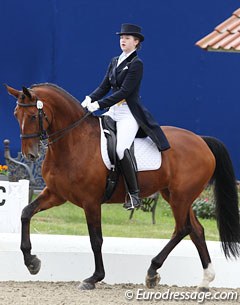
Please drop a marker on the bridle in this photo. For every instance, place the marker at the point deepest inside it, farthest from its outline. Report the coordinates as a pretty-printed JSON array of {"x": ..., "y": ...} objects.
[{"x": 42, "y": 134}]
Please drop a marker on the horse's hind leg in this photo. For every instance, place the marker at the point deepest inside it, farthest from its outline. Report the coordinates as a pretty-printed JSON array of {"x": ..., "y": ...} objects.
[
  {"x": 182, "y": 229},
  {"x": 153, "y": 278},
  {"x": 198, "y": 238}
]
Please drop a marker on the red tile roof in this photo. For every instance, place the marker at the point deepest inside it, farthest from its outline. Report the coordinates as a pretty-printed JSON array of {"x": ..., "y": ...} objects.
[{"x": 225, "y": 37}]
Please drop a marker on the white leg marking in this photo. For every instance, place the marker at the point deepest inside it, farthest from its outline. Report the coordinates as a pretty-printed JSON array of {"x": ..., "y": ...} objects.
[{"x": 208, "y": 276}]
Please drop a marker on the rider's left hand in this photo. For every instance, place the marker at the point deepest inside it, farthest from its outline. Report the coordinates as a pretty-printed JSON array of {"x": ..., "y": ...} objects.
[
  {"x": 86, "y": 102},
  {"x": 93, "y": 106}
]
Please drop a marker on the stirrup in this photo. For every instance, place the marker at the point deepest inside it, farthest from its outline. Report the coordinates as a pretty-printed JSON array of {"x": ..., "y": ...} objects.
[{"x": 134, "y": 202}]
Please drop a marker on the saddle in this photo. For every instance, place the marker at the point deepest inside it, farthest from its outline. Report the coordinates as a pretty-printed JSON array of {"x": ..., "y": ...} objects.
[{"x": 110, "y": 130}]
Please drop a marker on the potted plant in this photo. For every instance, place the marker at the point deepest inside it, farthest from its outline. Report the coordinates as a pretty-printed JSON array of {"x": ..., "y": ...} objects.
[{"x": 4, "y": 172}]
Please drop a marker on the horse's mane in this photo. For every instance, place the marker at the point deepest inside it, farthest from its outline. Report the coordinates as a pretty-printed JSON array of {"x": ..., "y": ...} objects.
[{"x": 57, "y": 88}]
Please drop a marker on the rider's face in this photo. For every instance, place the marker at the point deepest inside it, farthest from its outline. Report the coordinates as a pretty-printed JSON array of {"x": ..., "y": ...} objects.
[{"x": 128, "y": 43}]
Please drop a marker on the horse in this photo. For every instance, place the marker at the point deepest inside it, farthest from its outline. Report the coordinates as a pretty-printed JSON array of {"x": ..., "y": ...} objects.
[{"x": 46, "y": 111}]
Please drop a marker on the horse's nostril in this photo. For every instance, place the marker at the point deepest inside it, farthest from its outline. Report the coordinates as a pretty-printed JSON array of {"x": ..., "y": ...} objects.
[{"x": 31, "y": 157}]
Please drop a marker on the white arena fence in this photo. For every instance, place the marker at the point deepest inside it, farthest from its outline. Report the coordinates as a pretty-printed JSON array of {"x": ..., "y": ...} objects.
[{"x": 70, "y": 258}]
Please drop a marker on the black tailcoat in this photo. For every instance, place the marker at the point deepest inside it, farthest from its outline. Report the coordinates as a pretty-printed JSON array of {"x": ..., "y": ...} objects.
[{"x": 125, "y": 81}]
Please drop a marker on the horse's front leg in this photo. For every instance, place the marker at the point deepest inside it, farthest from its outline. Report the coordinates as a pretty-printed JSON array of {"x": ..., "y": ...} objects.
[
  {"x": 43, "y": 202},
  {"x": 31, "y": 261},
  {"x": 93, "y": 217}
]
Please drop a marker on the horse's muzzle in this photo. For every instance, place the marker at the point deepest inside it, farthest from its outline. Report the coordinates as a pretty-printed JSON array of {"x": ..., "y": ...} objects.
[
  {"x": 31, "y": 154},
  {"x": 32, "y": 157}
]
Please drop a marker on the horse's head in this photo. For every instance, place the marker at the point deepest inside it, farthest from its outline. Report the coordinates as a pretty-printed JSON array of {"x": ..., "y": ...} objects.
[{"x": 32, "y": 119}]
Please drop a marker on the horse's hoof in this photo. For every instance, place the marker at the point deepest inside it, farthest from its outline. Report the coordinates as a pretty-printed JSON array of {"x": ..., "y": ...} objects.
[
  {"x": 35, "y": 265},
  {"x": 86, "y": 286},
  {"x": 202, "y": 289},
  {"x": 152, "y": 282}
]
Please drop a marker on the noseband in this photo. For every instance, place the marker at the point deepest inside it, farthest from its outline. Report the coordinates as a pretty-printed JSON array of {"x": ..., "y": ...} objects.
[{"x": 42, "y": 134}]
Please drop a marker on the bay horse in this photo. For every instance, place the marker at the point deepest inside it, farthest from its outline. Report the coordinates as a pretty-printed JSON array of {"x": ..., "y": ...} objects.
[{"x": 48, "y": 111}]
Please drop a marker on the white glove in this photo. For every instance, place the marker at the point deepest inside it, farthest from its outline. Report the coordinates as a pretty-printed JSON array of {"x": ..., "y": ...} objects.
[
  {"x": 93, "y": 106},
  {"x": 86, "y": 102}
]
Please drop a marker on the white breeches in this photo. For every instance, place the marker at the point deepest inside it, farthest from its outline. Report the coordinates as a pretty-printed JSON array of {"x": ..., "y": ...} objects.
[{"x": 127, "y": 127}]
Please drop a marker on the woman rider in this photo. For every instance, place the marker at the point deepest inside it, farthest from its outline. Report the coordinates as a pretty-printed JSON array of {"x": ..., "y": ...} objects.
[{"x": 124, "y": 76}]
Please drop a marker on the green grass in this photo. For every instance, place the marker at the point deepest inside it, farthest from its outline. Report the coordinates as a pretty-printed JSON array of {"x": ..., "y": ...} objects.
[{"x": 70, "y": 220}]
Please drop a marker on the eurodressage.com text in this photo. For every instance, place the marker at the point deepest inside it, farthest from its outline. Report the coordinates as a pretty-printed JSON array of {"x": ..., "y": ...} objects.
[{"x": 200, "y": 297}]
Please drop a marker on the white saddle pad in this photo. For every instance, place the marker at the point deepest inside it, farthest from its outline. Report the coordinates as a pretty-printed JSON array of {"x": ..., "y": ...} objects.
[{"x": 147, "y": 155}]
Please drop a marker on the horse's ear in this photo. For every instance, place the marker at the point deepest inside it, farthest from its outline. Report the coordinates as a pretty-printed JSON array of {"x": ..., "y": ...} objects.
[
  {"x": 12, "y": 91},
  {"x": 26, "y": 92}
]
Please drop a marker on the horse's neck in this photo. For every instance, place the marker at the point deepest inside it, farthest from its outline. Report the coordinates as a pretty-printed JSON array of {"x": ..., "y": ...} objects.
[
  {"x": 85, "y": 134},
  {"x": 81, "y": 143},
  {"x": 65, "y": 115},
  {"x": 64, "y": 111}
]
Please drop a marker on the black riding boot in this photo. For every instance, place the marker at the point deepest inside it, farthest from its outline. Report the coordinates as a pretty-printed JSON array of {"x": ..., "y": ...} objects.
[{"x": 129, "y": 174}]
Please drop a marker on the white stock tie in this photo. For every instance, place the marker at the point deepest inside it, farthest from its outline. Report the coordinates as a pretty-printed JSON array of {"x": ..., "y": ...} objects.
[{"x": 121, "y": 58}]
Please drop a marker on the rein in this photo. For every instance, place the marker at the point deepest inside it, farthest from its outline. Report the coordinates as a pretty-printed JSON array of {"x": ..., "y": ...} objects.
[
  {"x": 42, "y": 134},
  {"x": 63, "y": 131}
]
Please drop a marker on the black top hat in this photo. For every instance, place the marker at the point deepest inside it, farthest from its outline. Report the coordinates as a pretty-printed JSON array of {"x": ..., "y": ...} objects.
[{"x": 131, "y": 29}]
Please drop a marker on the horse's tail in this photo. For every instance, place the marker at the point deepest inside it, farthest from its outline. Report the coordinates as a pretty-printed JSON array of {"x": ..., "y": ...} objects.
[{"x": 226, "y": 198}]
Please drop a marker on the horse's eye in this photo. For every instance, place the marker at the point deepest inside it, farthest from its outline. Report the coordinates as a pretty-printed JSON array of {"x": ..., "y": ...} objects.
[{"x": 33, "y": 117}]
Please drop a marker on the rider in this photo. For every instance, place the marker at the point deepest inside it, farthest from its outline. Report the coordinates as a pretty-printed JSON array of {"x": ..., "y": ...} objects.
[{"x": 124, "y": 106}]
